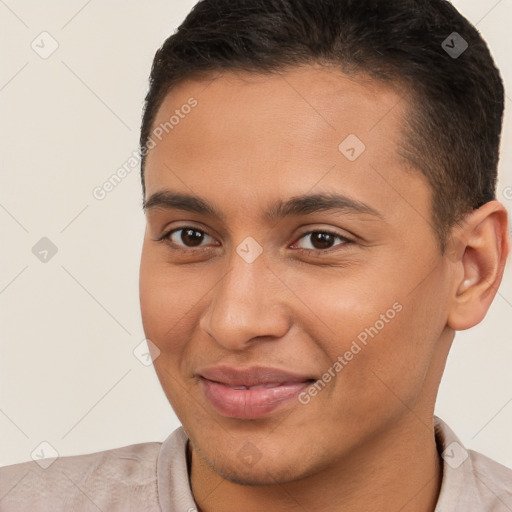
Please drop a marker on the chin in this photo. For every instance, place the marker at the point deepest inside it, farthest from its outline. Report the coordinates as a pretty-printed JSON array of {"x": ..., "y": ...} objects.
[
  {"x": 264, "y": 472},
  {"x": 257, "y": 477}
]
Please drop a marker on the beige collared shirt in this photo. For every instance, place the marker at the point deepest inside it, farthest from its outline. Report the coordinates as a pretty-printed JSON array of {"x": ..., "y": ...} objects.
[{"x": 153, "y": 477}]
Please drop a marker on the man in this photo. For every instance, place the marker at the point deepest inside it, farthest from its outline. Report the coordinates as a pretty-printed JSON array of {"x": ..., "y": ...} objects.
[{"x": 319, "y": 186}]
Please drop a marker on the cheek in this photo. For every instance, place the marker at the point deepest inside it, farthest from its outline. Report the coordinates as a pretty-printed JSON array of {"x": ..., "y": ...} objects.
[
  {"x": 379, "y": 344},
  {"x": 167, "y": 296},
  {"x": 390, "y": 371},
  {"x": 161, "y": 312},
  {"x": 153, "y": 303}
]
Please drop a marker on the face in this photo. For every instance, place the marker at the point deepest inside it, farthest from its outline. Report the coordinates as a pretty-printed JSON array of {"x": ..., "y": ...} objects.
[{"x": 290, "y": 332}]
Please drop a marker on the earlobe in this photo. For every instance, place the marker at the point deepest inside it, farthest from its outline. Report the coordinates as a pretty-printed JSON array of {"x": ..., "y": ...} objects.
[{"x": 482, "y": 247}]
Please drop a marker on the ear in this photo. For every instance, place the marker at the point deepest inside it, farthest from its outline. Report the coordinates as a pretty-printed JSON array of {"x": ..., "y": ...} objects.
[{"x": 478, "y": 248}]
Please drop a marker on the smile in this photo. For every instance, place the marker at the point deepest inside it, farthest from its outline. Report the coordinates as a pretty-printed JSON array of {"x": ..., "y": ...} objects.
[{"x": 252, "y": 393}]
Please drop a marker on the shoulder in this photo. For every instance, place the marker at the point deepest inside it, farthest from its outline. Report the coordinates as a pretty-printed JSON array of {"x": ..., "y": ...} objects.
[
  {"x": 471, "y": 480},
  {"x": 492, "y": 481},
  {"x": 109, "y": 480}
]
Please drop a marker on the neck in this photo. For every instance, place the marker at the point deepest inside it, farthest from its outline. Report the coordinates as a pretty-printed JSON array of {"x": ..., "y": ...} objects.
[{"x": 399, "y": 470}]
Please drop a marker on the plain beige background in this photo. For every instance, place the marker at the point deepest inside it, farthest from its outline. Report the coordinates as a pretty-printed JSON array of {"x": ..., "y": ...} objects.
[{"x": 68, "y": 374}]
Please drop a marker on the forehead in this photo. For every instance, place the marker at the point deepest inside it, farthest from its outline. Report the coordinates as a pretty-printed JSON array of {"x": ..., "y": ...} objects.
[
  {"x": 310, "y": 105},
  {"x": 253, "y": 135}
]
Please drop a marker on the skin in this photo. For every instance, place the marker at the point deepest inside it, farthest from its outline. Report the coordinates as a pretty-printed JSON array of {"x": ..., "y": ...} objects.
[{"x": 365, "y": 441}]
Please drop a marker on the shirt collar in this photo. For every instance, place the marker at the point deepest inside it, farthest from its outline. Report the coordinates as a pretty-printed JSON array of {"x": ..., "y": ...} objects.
[
  {"x": 456, "y": 466},
  {"x": 174, "y": 492}
]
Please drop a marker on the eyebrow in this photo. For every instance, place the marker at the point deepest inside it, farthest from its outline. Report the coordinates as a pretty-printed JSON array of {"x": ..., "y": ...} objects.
[{"x": 297, "y": 205}]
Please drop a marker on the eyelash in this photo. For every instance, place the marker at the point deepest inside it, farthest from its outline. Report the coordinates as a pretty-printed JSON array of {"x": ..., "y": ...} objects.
[{"x": 165, "y": 239}]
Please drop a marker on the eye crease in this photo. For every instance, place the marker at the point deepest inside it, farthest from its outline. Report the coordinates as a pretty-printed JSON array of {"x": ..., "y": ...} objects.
[{"x": 192, "y": 237}]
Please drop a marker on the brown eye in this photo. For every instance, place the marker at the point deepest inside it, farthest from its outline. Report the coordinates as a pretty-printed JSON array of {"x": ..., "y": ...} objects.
[
  {"x": 322, "y": 240},
  {"x": 191, "y": 237},
  {"x": 187, "y": 237}
]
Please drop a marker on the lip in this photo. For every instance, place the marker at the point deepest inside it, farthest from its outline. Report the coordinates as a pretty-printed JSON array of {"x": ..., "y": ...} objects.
[{"x": 250, "y": 393}]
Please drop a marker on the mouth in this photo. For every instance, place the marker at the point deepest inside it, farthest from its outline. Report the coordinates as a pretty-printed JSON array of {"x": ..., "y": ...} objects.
[{"x": 250, "y": 393}]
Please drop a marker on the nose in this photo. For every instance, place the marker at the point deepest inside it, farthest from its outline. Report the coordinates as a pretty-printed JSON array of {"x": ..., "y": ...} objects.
[{"x": 246, "y": 305}]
